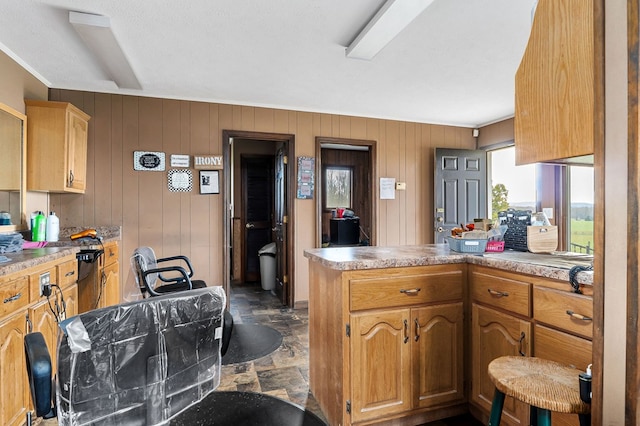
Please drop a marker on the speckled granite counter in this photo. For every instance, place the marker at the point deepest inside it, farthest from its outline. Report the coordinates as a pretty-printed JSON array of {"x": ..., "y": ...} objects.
[
  {"x": 55, "y": 250},
  {"x": 33, "y": 257},
  {"x": 107, "y": 233},
  {"x": 357, "y": 258}
]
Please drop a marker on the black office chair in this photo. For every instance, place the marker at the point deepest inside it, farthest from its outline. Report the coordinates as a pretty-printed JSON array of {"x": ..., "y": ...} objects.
[
  {"x": 175, "y": 276},
  {"x": 155, "y": 280}
]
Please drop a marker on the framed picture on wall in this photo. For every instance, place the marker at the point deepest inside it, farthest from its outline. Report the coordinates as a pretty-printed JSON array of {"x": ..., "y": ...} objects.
[{"x": 209, "y": 181}]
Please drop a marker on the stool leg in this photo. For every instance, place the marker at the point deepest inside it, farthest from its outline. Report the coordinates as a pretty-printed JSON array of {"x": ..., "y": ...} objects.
[
  {"x": 533, "y": 415},
  {"x": 544, "y": 417},
  {"x": 585, "y": 419},
  {"x": 496, "y": 408}
]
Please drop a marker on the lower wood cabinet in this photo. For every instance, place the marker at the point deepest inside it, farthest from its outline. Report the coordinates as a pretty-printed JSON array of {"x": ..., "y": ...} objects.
[
  {"x": 417, "y": 353},
  {"x": 25, "y": 310},
  {"x": 14, "y": 388},
  {"x": 403, "y": 337},
  {"x": 516, "y": 314},
  {"x": 101, "y": 287},
  {"x": 495, "y": 334}
]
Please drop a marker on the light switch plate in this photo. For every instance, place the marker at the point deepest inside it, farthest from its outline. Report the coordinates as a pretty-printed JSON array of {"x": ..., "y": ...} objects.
[{"x": 401, "y": 186}]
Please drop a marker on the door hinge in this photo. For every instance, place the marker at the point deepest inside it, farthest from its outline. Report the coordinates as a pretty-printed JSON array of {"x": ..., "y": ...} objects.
[
  {"x": 348, "y": 330},
  {"x": 285, "y": 159},
  {"x": 285, "y": 219},
  {"x": 285, "y": 279},
  {"x": 348, "y": 407}
]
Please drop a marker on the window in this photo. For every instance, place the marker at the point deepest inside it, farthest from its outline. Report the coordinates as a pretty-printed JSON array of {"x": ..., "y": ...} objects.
[
  {"x": 511, "y": 186},
  {"x": 580, "y": 205},
  {"x": 337, "y": 187}
]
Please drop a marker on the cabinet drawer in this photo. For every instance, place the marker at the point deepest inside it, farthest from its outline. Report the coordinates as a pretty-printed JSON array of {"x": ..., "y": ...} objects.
[
  {"x": 406, "y": 290},
  {"x": 67, "y": 273},
  {"x": 14, "y": 295},
  {"x": 110, "y": 254},
  {"x": 501, "y": 292},
  {"x": 567, "y": 311}
]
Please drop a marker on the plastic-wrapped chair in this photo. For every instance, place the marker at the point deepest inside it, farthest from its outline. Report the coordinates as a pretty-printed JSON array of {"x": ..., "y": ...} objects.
[
  {"x": 155, "y": 280},
  {"x": 138, "y": 363}
]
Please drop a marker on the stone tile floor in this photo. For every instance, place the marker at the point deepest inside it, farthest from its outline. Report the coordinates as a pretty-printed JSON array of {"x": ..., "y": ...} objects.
[{"x": 283, "y": 373}]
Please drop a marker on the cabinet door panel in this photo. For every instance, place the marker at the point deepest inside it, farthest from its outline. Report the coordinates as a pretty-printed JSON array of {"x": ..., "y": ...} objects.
[
  {"x": 495, "y": 334},
  {"x": 111, "y": 287},
  {"x": 438, "y": 354},
  {"x": 77, "y": 152},
  {"x": 564, "y": 348},
  {"x": 43, "y": 320},
  {"x": 14, "y": 394},
  {"x": 380, "y": 362}
]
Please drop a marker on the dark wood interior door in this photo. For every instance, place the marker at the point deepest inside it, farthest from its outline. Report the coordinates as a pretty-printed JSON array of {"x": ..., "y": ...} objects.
[
  {"x": 258, "y": 208},
  {"x": 281, "y": 223}
]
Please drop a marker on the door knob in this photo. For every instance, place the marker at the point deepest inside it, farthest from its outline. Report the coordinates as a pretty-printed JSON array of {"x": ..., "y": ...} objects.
[{"x": 249, "y": 225}]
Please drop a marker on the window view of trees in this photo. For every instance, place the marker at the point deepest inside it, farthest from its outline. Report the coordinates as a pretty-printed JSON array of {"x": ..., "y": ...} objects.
[
  {"x": 515, "y": 187},
  {"x": 581, "y": 189},
  {"x": 337, "y": 187},
  {"x": 511, "y": 186}
]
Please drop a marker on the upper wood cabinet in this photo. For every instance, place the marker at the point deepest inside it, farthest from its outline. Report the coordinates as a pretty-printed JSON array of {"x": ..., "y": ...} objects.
[
  {"x": 555, "y": 85},
  {"x": 57, "y": 151}
]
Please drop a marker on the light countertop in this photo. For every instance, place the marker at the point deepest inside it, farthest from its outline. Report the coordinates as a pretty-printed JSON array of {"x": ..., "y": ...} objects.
[
  {"x": 554, "y": 266},
  {"x": 28, "y": 258}
]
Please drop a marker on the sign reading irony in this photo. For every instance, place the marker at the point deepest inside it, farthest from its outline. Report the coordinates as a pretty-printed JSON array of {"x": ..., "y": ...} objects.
[{"x": 207, "y": 162}]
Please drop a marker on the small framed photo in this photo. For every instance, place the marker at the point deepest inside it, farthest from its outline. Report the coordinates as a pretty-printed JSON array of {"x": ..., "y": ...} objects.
[{"x": 209, "y": 181}]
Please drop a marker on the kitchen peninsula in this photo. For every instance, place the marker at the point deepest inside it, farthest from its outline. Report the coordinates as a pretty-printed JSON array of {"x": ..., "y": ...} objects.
[{"x": 405, "y": 334}]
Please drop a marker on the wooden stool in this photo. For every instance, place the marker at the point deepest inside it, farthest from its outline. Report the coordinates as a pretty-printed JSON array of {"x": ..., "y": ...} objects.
[{"x": 545, "y": 385}]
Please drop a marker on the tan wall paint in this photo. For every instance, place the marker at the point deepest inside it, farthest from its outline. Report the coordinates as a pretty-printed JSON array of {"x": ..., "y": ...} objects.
[
  {"x": 615, "y": 191},
  {"x": 16, "y": 85},
  {"x": 496, "y": 133},
  {"x": 192, "y": 224}
]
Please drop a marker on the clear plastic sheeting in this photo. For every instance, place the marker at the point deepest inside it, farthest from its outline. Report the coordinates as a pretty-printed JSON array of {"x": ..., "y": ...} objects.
[{"x": 147, "y": 361}]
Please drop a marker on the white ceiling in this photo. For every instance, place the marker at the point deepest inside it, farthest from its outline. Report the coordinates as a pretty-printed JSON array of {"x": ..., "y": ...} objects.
[{"x": 454, "y": 64}]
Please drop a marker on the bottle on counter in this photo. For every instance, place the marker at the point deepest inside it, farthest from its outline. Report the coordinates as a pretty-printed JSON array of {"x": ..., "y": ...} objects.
[
  {"x": 39, "y": 227},
  {"x": 53, "y": 227}
]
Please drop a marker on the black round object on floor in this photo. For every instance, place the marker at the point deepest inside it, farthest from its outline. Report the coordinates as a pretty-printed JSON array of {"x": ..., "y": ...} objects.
[
  {"x": 251, "y": 341},
  {"x": 245, "y": 409}
]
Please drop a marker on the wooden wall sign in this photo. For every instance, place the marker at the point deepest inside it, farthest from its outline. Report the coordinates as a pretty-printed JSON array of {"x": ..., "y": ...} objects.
[{"x": 208, "y": 162}]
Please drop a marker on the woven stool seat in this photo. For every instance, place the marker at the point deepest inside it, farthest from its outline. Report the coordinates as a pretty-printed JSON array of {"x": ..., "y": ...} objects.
[{"x": 538, "y": 382}]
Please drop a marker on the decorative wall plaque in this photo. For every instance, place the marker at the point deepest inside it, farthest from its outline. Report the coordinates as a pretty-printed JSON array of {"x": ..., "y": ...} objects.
[
  {"x": 306, "y": 177},
  {"x": 208, "y": 162},
  {"x": 178, "y": 160},
  {"x": 180, "y": 180},
  {"x": 148, "y": 161}
]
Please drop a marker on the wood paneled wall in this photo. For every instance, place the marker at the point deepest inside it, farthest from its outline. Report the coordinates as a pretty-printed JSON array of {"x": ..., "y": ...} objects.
[{"x": 192, "y": 224}]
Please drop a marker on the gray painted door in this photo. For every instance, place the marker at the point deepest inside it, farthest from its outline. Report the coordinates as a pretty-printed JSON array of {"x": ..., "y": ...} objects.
[{"x": 460, "y": 189}]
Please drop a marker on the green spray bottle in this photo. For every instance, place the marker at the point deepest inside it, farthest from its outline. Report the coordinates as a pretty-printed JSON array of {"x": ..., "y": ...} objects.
[{"x": 39, "y": 227}]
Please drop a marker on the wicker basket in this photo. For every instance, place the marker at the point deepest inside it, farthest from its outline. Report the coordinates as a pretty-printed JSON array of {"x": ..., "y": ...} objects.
[{"x": 468, "y": 245}]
